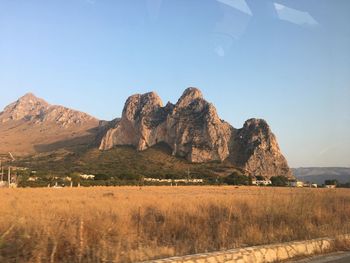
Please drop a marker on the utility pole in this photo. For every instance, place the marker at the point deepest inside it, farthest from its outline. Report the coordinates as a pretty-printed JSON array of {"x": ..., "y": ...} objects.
[
  {"x": 13, "y": 158},
  {"x": 2, "y": 172},
  {"x": 9, "y": 176}
]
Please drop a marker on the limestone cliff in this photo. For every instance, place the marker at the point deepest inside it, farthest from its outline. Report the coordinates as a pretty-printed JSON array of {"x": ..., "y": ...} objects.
[
  {"x": 140, "y": 124},
  {"x": 193, "y": 130},
  {"x": 191, "y": 127},
  {"x": 255, "y": 149}
]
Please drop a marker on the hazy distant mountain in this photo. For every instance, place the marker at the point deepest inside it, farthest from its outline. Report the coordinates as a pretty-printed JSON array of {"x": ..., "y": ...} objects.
[
  {"x": 320, "y": 174},
  {"x": 31, "y": 125}
]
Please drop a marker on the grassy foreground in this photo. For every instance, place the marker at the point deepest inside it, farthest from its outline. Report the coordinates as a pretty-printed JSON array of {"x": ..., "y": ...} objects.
[{"x": 128, "y": 224}]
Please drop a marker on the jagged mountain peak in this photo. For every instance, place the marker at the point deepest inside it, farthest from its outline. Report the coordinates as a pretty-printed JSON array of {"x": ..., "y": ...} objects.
[
  {"x": 140, "y": 104},
  {"x": 31, "y": 125},
  {"x": 29, "y": 99},
  {"x": 26, "y": 107},
  {"x": 193, "y": 129},
  {"x": 28, "y": 95},
  {"x": 33, "y": 109},
  {"x": 254, "y": 122},
  {"x": 188, "y": 96},
  {"x": 190, "y": 127},
  {"x": 192, "y": 92}
]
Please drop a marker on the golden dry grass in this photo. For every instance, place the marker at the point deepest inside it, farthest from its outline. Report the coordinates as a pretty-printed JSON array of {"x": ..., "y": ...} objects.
[{"x": 128, "y": 224}]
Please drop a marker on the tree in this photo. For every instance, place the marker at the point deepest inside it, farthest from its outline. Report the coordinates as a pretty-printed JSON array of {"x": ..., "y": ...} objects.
[
  {"x": 76, "y": 179},
  {"x": 279, "y": 181},
  {"x": 331, "y": 182},
  {"x": 102, "y": 177},
  {"x": 237, "y": 178}
]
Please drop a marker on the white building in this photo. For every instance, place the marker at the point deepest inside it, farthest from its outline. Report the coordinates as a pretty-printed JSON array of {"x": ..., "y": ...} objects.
[
  {"x": 33, "y": 178},
  {"x": 173, "y": 181},
  {"x": 297, "y": 184},
  {"x": 261, "y": 182},
  {"x": 87, "y": 176}
]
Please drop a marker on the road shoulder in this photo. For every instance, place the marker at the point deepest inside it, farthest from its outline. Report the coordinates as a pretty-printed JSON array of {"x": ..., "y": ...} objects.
[{"x": 338, "y": 257}]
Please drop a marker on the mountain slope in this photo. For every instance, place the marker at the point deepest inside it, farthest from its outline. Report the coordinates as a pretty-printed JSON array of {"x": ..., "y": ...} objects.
[
  {"x": 31, "y": 125},
  {"x": 125, "y": 163}
]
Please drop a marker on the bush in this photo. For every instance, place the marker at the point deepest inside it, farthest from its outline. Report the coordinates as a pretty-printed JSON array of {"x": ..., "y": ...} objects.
[
  {"x": 237, "y": 178},
  {"x": 102, "y": 177},
  {"x": 279, "y": 181},
  {"x": 331, "y": 182}
]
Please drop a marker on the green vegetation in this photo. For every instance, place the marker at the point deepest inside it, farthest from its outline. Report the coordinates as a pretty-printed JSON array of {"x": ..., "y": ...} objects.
[
  {"x": 279, "y": 181},
  {"x": 237, "y": 178},
  {"x": 119, "y": 166},
  {"x": 331, "y": 182}
]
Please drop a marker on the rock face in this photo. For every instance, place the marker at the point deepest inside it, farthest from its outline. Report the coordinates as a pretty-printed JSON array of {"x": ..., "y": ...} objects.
[
  {"x": 191, "y": 127},
  {"x": 193, "y": 130},
  {"x": 255, "y": 149},
  {"x": 31, "y": 125},
  {"x": 139, "y": 124}
]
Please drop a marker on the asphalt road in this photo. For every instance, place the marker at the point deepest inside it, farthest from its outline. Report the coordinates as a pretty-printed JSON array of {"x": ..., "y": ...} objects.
[{"x": 340, "y": 257}]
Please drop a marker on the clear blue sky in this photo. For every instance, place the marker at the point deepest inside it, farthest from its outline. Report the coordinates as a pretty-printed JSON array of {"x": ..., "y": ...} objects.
[{"x": 285, "y": 61}]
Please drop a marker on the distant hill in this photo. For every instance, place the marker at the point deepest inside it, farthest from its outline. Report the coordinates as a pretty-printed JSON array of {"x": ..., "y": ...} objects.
[
  {"x": 320, "y": 174},
  {"x": 31, "y": 125}
]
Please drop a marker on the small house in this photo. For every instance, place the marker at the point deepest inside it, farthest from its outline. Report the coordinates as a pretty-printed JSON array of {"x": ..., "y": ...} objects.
[
  {"x": 297, "y": 184},
  {"x": 264, "y": 182},
  {"x": 87, "y": 176}
]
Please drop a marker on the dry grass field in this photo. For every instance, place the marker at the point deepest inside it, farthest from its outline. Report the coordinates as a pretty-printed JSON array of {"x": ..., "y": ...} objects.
[{"x": 128, "y": 224}]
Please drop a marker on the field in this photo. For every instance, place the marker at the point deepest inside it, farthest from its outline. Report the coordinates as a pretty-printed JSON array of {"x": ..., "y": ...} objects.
[{"x": 128, "y": 224}]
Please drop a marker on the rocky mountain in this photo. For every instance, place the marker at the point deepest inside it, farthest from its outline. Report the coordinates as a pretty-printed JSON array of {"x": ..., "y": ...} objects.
[
  {"x": 31, "y": 125},
  {"x": 320, "y": 174},
  {"x": 255, "y": 149},
  {"x": 191, "y": 127},
  {"x": 193, "y": 130}
]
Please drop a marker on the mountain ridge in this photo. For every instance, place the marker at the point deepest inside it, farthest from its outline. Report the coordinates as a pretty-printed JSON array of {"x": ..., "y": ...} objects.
[
  {"x": 191, "y": 128},
  {"x": 320, "y": 174},
  {"x": 194, "y": 131}
]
